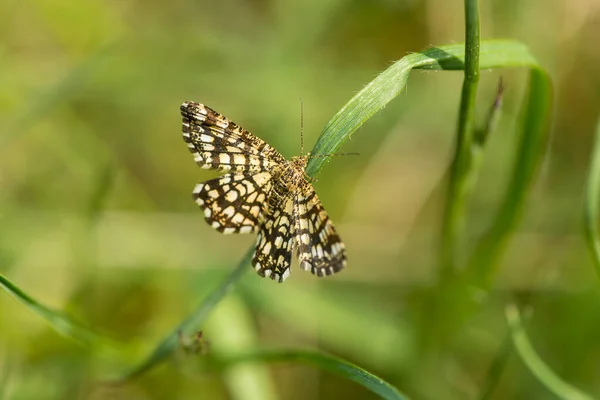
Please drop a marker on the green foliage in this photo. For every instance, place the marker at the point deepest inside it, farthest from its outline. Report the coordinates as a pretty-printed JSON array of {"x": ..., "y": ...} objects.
[
  {"x": 95, "y": 228},
  {"x": 60, "y": 322},
  {"x": 525, "y": 350},
  {"x": 592, "y": 199},
  {"x": 324, "y": 362}
]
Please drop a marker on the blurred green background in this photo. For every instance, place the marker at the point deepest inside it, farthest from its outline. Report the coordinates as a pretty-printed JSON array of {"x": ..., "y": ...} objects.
[{"x": 96, "y": 215}]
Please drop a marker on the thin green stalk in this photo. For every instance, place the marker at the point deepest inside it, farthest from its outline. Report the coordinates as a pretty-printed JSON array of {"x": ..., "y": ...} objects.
[
  {"x": 458, "y": 299},
  {"x": 592, "y": 200},
  {"x": 325, "y": 362},
  {"x": 192, "y": 322},
  {"x": 535, "y": 364},
  {"x": 62, "y": 323},
  {"x": 459, "y": 184}
]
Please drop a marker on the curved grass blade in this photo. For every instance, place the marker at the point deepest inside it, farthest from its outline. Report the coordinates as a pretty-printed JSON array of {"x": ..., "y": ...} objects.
[
  {"x": 534, "y": 129},
  {"x": 535, "y": 364},
  {"x": 61, "y": 323},
  {"x": 535, "y": 120},
  {"x": 592, "y": 199},
  {"x": 390, "y": 83},
  {"x": 191, "y": 323},
  {"x": 325, "y": 362}
]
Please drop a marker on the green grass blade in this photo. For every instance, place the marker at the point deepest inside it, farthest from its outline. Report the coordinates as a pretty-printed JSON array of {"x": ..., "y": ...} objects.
[
  {"x": 61, "y": 323},
  {"x": 360, "y": 316},
  {"x": 535, "y": 364},
  {"x": 533, "y": 137},
  {"x": 192, "y": 323},
  {"x": 592, "y": 199},
  {"x": 326, "y": 363},
  {"x": 390, "y": 83},
  {"x": 459, "y": 185},
  {"x": 496, "y": 369},
  {"x": 456, "y": 301},
  {"x": 534, "y": 131}
]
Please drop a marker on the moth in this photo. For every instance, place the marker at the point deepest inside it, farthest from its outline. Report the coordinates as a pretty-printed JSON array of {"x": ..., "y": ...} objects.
[{"x": 260, "y": 192}]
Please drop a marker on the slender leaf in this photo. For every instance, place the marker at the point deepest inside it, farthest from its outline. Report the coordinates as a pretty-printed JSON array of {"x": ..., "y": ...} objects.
[
  {"x": 192, "y": 322},
  {"x": 390, "y": 83},
  {"x": 326, "y": 363},
  {"x": 535, "y": 364},
  {"x": 62, "y": 323},
  {"x": 592, "y": 200}
]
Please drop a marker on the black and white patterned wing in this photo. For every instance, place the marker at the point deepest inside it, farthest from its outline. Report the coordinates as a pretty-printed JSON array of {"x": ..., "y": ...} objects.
[
  {"x": 273, "y": 253},
  {"x": 320, "y": 249},
  {"x": 234, "y": 203},
  {"x": 218, "y": 143}
]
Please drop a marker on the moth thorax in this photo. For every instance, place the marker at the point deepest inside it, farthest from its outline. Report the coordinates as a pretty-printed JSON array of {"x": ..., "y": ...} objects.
[
  {"x": 288, "y": 181},
  {"x": 299, "y": 162}
]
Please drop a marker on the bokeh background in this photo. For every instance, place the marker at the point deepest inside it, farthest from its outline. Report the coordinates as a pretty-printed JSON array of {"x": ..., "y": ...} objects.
[{"x": 96, "y": 216}]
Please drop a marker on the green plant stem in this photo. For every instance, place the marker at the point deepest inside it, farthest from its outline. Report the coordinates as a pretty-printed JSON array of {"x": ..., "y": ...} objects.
[
  {"x": 324, "y": 362},
  {"x": 457, "y": 299},
  {"x": 459, "y": 184},
  {"x": 592, "y": 200},
  {"x": 192, "y": 322},
  {"x": 535, "y": 364},
  {"x": 62, "y": 323}
]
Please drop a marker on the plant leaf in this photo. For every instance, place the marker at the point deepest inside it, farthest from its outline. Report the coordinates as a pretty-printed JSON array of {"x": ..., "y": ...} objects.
[
  {"x": 592, "y": 199},
  {"x": 535, "y": 364},
  {"x": 62, "y": 323},
  {"x": 390, "y": 83},
  {"x": 325, "y": 362},
  {"x": 192, "y": 322}
]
